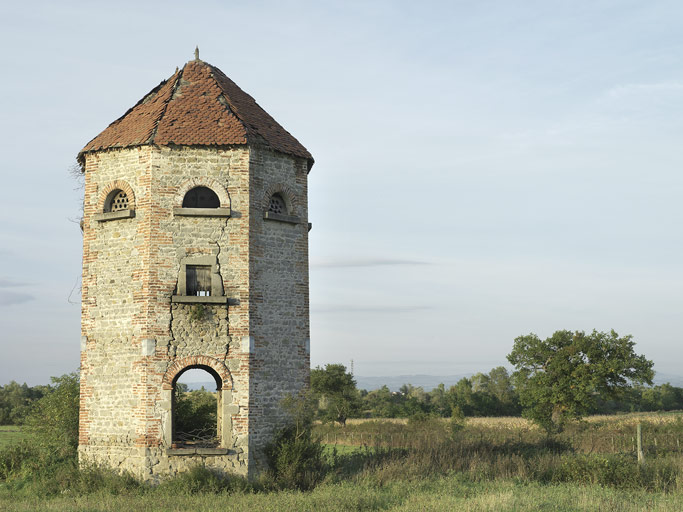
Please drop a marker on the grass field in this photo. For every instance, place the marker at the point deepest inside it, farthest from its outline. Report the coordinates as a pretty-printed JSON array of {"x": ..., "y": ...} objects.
[
  {"x": 662, "y": 433},
  {"x": 10, "y": 434},
  {"x": 433, "y": 494},
  {"x": 492, "y": 464}
]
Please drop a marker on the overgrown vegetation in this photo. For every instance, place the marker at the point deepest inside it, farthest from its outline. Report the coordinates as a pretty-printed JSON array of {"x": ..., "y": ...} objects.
[
  {"x": 350, "y": 464},
  {"x": 376, "y": 464},
  {"x": 52, "y": 428},
  {"x": 194, "y": 414},
  {"x": 295, "y": 456}
]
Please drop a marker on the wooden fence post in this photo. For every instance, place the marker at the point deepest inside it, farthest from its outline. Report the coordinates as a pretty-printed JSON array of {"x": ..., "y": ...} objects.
[{"x": 639, "y": 439}]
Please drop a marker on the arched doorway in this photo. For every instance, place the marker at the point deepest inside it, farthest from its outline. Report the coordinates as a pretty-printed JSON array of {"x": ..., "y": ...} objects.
[{"x": 196, "y": 410}]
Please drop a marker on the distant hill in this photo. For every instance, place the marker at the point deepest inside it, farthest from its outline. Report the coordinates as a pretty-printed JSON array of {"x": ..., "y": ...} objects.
[
  {"x": 429, "y": 382},
  {"x": 426, "y": 382},
  {"x": 674, "y": 380}
]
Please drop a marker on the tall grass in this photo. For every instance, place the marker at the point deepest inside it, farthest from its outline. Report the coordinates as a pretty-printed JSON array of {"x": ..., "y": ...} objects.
[
  {"x": 663, "y": 434},
  {"x": 396, "y": 465}
]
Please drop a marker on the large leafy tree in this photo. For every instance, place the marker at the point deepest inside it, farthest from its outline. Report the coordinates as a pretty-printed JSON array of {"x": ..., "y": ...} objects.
[
  {"x": 561, "y": 377},
  {"x": 336, "y": 389}
]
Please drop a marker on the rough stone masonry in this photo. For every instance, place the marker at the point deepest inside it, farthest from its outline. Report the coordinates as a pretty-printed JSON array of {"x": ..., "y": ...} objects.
[{"x": 194, "y": 180}]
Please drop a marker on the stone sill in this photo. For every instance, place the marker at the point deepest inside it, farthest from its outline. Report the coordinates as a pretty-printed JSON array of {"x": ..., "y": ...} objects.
[
  {"x": 193, "y": 299},
  {"x": 121, "y": 214},
  {"x": 201, "y": 212},
  {"x": 281, "y": 218},
  {"x": 197, "y": 451}
]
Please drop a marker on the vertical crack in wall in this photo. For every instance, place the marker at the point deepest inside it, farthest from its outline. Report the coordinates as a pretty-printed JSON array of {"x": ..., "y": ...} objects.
[
  {"x": 170, "y": 346},
  {"x": 217, "y": 240},
  {"x": 219, "y": 237}
]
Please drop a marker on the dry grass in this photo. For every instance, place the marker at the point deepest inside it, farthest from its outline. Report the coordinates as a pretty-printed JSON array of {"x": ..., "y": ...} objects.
[{"x": 662, "y": 433}]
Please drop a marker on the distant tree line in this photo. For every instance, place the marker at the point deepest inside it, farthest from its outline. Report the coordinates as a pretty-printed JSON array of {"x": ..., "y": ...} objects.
[
  {"x": 16, "y": 400},
  {"x": 483, "y": 394}
]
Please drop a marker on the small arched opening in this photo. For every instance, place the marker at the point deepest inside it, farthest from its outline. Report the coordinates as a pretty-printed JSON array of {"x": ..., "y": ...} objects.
[
  {"x": 277, "y": 204},
  {"x": 196, "y": 408},
  {"x": 201, "y": 197},
  {"x": 116, "y": 201}
]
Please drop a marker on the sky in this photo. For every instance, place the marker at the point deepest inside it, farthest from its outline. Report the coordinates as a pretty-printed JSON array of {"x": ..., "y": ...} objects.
[{"x": 483, "y": 170}]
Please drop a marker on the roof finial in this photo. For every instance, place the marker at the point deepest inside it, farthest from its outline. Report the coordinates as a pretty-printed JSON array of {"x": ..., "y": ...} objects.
[{"x": 196, "y": 53}]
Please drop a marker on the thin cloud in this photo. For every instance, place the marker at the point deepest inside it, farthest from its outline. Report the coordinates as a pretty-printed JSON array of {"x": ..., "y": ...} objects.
[
  {"x": 368, "y": 309},
  {"x": 626, "y": 90},
  {"x": 367, "y": 263},
  {"x": 8, "y": 283},
  {"x": 11, "y": 298}
]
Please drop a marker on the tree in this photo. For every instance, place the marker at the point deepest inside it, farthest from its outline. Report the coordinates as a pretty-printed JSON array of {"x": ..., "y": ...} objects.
[
  {"x": 16, "y": 400},
  {"x": 439, "y": 401},
  {"x": 561, "y": 377},
  {"x": 336, "y": 389},
  {"x": 382, "y": 403},
  {"x": 54, "y": 418}
]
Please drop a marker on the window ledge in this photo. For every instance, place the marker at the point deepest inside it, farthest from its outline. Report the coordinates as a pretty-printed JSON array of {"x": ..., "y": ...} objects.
[
  {"x": 197, "y": 451},
  {"x": 121, "y": 214},
  {"x": 201, "y": 212},
  {"x": 193, "y": 299},
  {"x": 281, "y": 218}
]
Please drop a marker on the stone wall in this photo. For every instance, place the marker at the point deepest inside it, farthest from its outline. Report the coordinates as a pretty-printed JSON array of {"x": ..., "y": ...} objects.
[
  {"x": 279, "y": 292},
  {"x": 137, "y": 339}
]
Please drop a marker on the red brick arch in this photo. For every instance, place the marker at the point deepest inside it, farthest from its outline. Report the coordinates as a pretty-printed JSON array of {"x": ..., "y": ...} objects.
[
  {"x": 288, "y": 195},
  {"x": 202, "y": 181},
  {"x": 116, "y": 185},
  {"x": 213, "y": 366}
]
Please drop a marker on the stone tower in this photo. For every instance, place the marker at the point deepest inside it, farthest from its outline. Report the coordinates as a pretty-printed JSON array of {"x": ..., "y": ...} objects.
[{"x": 195, "y": 255}]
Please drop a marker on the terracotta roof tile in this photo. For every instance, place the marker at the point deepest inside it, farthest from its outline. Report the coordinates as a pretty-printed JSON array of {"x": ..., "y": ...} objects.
[{"x": 198, "y": 105}]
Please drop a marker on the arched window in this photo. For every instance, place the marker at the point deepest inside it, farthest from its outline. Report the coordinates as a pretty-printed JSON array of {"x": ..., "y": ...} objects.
[
  {"x": 196, "y": 408},
  {"x": 117, "y": 200},
  {"x": 278, "y": 207},
  {"x": 277, "y": 204},
  {"x": 201, "y": 197}
]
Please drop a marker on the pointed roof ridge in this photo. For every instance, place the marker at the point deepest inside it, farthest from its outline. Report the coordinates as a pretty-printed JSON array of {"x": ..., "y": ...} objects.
[{"x": 199, "y": 106}]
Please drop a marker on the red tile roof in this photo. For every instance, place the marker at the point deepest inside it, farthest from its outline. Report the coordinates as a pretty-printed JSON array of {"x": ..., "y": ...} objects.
[{"x": 198, "y": 105}]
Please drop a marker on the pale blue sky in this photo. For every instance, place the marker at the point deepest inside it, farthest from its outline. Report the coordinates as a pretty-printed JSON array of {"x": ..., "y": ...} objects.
[{"x": 483, "y": 169}]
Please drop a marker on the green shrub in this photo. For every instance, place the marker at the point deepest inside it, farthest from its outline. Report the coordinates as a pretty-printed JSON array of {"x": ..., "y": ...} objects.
[
  {"x": 53, "y": 419},
  {"x": 418, "y": 419},
  {"x": 14, "y": 458},
  {"x": 295, "y": 459},
  {"x": 457, "y": 422}
]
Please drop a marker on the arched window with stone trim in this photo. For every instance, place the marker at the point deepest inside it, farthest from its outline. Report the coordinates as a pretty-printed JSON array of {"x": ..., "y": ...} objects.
[
  {"x": 197, "y": 408},
  {"x": 201, "y": 197},
  {"x": 277, "y": 204},
  {"x": 183, "y": 430},
  {"x": 278, "y": 207},
  {"x": 117, "y": 200}
]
